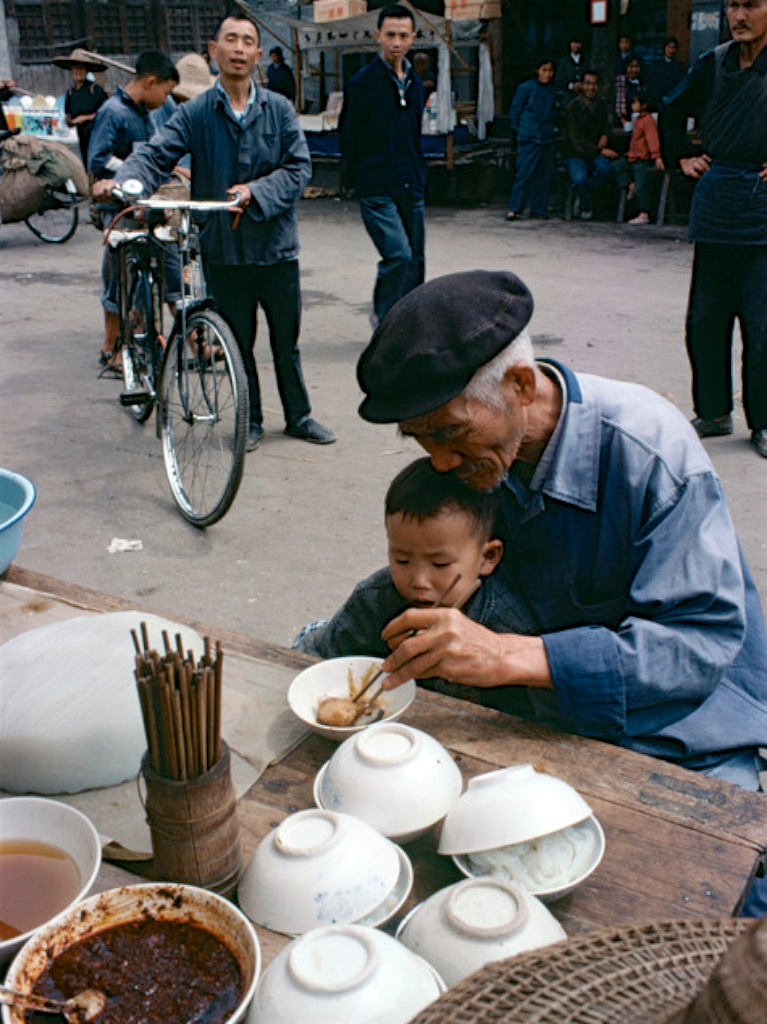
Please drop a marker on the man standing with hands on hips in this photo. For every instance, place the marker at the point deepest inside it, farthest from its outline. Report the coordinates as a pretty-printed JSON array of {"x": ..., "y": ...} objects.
[
  {"x": 381, "y": 143},
  {"x": 245, "y": 143}
]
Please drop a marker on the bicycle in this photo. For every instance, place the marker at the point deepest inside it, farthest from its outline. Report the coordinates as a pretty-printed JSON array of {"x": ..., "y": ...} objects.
[
  {"x": 55, "y": 219},
  {"x": 196, "y": 379}
]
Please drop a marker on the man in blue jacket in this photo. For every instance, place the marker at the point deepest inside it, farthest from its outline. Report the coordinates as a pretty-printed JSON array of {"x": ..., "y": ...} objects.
[
  {"x": 381, "y": 143},
  {"x": 246, "y": 142}
]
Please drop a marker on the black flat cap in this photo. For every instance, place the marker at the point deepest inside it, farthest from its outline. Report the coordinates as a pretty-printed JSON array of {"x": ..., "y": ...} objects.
[{"x": 429, "y": 345}]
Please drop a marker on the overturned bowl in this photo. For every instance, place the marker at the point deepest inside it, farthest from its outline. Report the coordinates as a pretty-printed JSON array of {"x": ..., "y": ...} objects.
[
  {"x": 344, "y": 974},
  {"x": 469, "y": 924},
  {"x": 342, "y": 677},
  {"x": 141, "y": 906},
  {"x": 50, "y": 854},
  {"x": 399, "y": 779},
  {"x": 17, "y": 496},
  {"x": 318, "y": 868}
]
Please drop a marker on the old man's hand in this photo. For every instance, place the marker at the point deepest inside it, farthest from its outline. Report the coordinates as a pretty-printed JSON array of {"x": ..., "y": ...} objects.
[{"x": 443, "y": 642}]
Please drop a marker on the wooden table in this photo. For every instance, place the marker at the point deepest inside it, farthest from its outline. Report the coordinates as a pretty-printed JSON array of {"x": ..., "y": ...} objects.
[{"x": 678, "y": 844}]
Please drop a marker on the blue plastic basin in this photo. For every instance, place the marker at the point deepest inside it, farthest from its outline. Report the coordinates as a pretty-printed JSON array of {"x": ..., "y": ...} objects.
[{"x": 17, "y": 496}]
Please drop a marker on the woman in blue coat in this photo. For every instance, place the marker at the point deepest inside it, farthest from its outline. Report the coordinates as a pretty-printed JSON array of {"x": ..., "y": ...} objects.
[{"x": 533, "y": 121}]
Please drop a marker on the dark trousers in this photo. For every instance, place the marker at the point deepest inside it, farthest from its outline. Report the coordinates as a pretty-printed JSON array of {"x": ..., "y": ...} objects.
[
  {"x": 532, "y": 177},
  {"x": 728, "y": 283},
  {"x": 587, "y": 178},
  {"x": 396, "y": 227},
  {"x": 239, "y": 291}
]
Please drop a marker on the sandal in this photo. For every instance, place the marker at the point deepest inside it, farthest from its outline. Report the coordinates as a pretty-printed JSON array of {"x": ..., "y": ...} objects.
[
  {"x": 111, "y": 366},
  {"x": 511, "y": 215}
]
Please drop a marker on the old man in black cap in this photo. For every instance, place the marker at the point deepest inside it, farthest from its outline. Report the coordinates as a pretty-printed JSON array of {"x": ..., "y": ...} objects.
[{"x": 616, "y": 531}]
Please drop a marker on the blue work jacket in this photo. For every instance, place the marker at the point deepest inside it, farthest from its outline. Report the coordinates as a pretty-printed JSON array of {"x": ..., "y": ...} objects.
[
  {"x": 534, "y": 111},
  {"x": 266, "y": 150},
  {"x": 623, "y": 549},
  {"x": 119, "y": 126}
]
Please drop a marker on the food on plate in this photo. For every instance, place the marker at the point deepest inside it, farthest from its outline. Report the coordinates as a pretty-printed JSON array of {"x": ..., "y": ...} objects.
[
  {"x": 345, "y": 711},
  {"x": 540, "y": 864},
  {"x": 156, "y": 972}
]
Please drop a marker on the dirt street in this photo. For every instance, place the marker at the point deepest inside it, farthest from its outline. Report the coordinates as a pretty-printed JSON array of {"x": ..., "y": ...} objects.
[{"x": 307, "y": 523}]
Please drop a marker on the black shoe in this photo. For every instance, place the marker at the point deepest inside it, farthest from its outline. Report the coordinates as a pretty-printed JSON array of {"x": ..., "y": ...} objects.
[
  {"x": 713, "y": 428},
  {"x": 308, "y": 429},
  {"x": 759, "y": 441},
  {"x": 255, "y": 437}
]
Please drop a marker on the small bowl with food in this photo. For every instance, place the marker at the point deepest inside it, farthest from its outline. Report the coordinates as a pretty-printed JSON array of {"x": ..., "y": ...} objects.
[
  {"x": 159, "y": 952},
  {"x": 399, "y": 779},
  {"x": 50, "y": 854},
  {"x": 323, "y": 695},
  {"x": 524, "y": 826}
]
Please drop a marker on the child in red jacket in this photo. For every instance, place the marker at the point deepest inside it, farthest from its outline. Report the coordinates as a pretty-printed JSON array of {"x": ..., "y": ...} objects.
[{"x": 643, "y": 156}]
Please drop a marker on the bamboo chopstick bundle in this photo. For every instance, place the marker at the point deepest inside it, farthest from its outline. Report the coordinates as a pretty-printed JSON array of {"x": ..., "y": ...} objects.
[{"x": 180, "y": 700}]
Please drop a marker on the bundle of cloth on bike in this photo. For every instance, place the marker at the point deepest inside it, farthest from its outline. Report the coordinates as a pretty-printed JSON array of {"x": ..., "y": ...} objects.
[{"x": 30, "y": 166}]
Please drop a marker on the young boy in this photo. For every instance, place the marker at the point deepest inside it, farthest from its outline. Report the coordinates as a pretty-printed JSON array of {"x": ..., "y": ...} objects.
[
  {"x": 120, "y": 125},
  {"x": 436, "y": 527}
]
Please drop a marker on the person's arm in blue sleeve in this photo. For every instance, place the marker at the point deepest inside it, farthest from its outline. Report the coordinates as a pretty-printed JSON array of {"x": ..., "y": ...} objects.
[
  {"x": 686, "y": 626},
  {"x": 517, "y": 106},
  {"x": 347, "y": 131},
  {"x": 687, "y": 99},
  {"x": 276, "y": 192},
  {"x": 102, "y": 162},
  {"x": 356, "y": 626},
  {"x": 153, "y": 161}
]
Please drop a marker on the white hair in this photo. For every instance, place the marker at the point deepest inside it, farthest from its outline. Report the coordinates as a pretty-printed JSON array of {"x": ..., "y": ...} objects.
[{"x": 484, "y": 385}]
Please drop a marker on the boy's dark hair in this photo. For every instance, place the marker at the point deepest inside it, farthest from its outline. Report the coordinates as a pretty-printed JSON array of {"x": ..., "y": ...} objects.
[
  {"x": 646, "y": 98},
  {"x": 395, "y": 11},
  {"x": 238, "y": 14},
  {"x": 670, "y": 39},
  {"x": 421, "y": 492},
  {"x": 276, "y": 50},
  {"x": 158, "y": 65}
]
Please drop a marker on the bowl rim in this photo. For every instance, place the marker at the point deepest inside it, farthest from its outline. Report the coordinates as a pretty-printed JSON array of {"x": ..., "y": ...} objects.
[
  {"x": 16, "y": 942},
  {"x": 30, "y": 494},
  {"x": 460, "y": 861}
]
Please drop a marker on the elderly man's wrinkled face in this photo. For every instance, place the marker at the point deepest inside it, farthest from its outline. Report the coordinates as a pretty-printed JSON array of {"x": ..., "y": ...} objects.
[{"x": 478, "y": 442}]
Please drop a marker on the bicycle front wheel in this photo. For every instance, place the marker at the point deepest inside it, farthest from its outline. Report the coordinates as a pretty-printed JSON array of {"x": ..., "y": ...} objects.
[
  {"x": 56, "y": 219},
  {"x": 203, "y": 417}
]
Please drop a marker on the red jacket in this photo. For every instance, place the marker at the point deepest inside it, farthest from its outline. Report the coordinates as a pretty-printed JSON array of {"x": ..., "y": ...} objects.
[{"x": 645, "y": 143}]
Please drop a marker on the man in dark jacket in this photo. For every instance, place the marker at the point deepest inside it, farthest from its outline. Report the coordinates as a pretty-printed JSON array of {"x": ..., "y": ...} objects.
[
  {"x": 279, "y": 77},
  {"x": 246, "y": 142},
  {"x": 727, "y": 90},
  {"x": 380, "y": 139},
  {"x": 589, "y": 154}
]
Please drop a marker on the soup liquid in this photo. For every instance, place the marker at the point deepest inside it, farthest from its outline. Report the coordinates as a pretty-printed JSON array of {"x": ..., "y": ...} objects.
[{"x": 37, "y": 881}]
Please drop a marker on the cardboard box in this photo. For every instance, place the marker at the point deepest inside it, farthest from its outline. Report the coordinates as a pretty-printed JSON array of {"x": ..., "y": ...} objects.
[
  {"x": 336, "y": 10},
  {"x": 469, "y": 10}
]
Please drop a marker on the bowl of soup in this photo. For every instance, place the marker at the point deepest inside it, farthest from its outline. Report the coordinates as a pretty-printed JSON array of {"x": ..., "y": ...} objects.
[
  {"x": 50, "y": 854},
  {"x": 161, "y": 952}
]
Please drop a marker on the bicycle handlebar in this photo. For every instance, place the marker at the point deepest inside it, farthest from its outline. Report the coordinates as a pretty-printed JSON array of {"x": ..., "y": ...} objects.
[{"x": 202, "y": 205}]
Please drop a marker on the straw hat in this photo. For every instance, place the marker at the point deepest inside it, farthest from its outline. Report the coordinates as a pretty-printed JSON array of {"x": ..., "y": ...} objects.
[
  {"x": 636, "y": 975},
  {"x": 78, "y": 56},
  {"x": 194, "y": 77}
]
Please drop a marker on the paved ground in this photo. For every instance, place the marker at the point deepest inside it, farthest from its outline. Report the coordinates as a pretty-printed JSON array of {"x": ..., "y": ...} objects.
[{"x": 307, "y": 523}]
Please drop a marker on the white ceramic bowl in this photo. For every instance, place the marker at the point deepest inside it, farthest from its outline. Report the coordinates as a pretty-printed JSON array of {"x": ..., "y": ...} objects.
[
  {"x": 318, "y": 868},
  {"x": 507, "y": 806},
  {"x": 344, "y": 974},
  {"x": 38, "y": 820},
  {"x": 399, "y": 779},
  {"x": 467, "y": 925},
  {"x": 331, "y": 679},
  {"x": 162, "y": 901},
  {"x": 17, "y": 496},
  {"x": 548, "y": 892}
]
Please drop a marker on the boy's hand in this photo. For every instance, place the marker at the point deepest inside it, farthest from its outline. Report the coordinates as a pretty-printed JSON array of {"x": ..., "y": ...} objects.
[
  {"x": 695, "y": 166},
  {"x": 103, "y": 188},
  {"x": 448, "y": 644}
]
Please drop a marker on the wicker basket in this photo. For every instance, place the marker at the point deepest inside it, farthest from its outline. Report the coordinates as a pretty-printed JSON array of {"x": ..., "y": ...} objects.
[{"x": 628, "y": 976}]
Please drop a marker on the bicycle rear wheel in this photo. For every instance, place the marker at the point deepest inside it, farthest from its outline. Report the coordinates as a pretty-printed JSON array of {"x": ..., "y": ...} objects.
[
  {"x": 203, "y": 417},
  {"x": 141, "y": 301},
  {"x": 56, "y": 218}
]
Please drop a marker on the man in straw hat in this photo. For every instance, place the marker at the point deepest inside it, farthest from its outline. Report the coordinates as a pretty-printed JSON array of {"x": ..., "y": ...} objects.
[
  {"x": 84, "y": 97},
  {"x": 246, "y": 141},
  {"x": 616, "y": 531}
]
